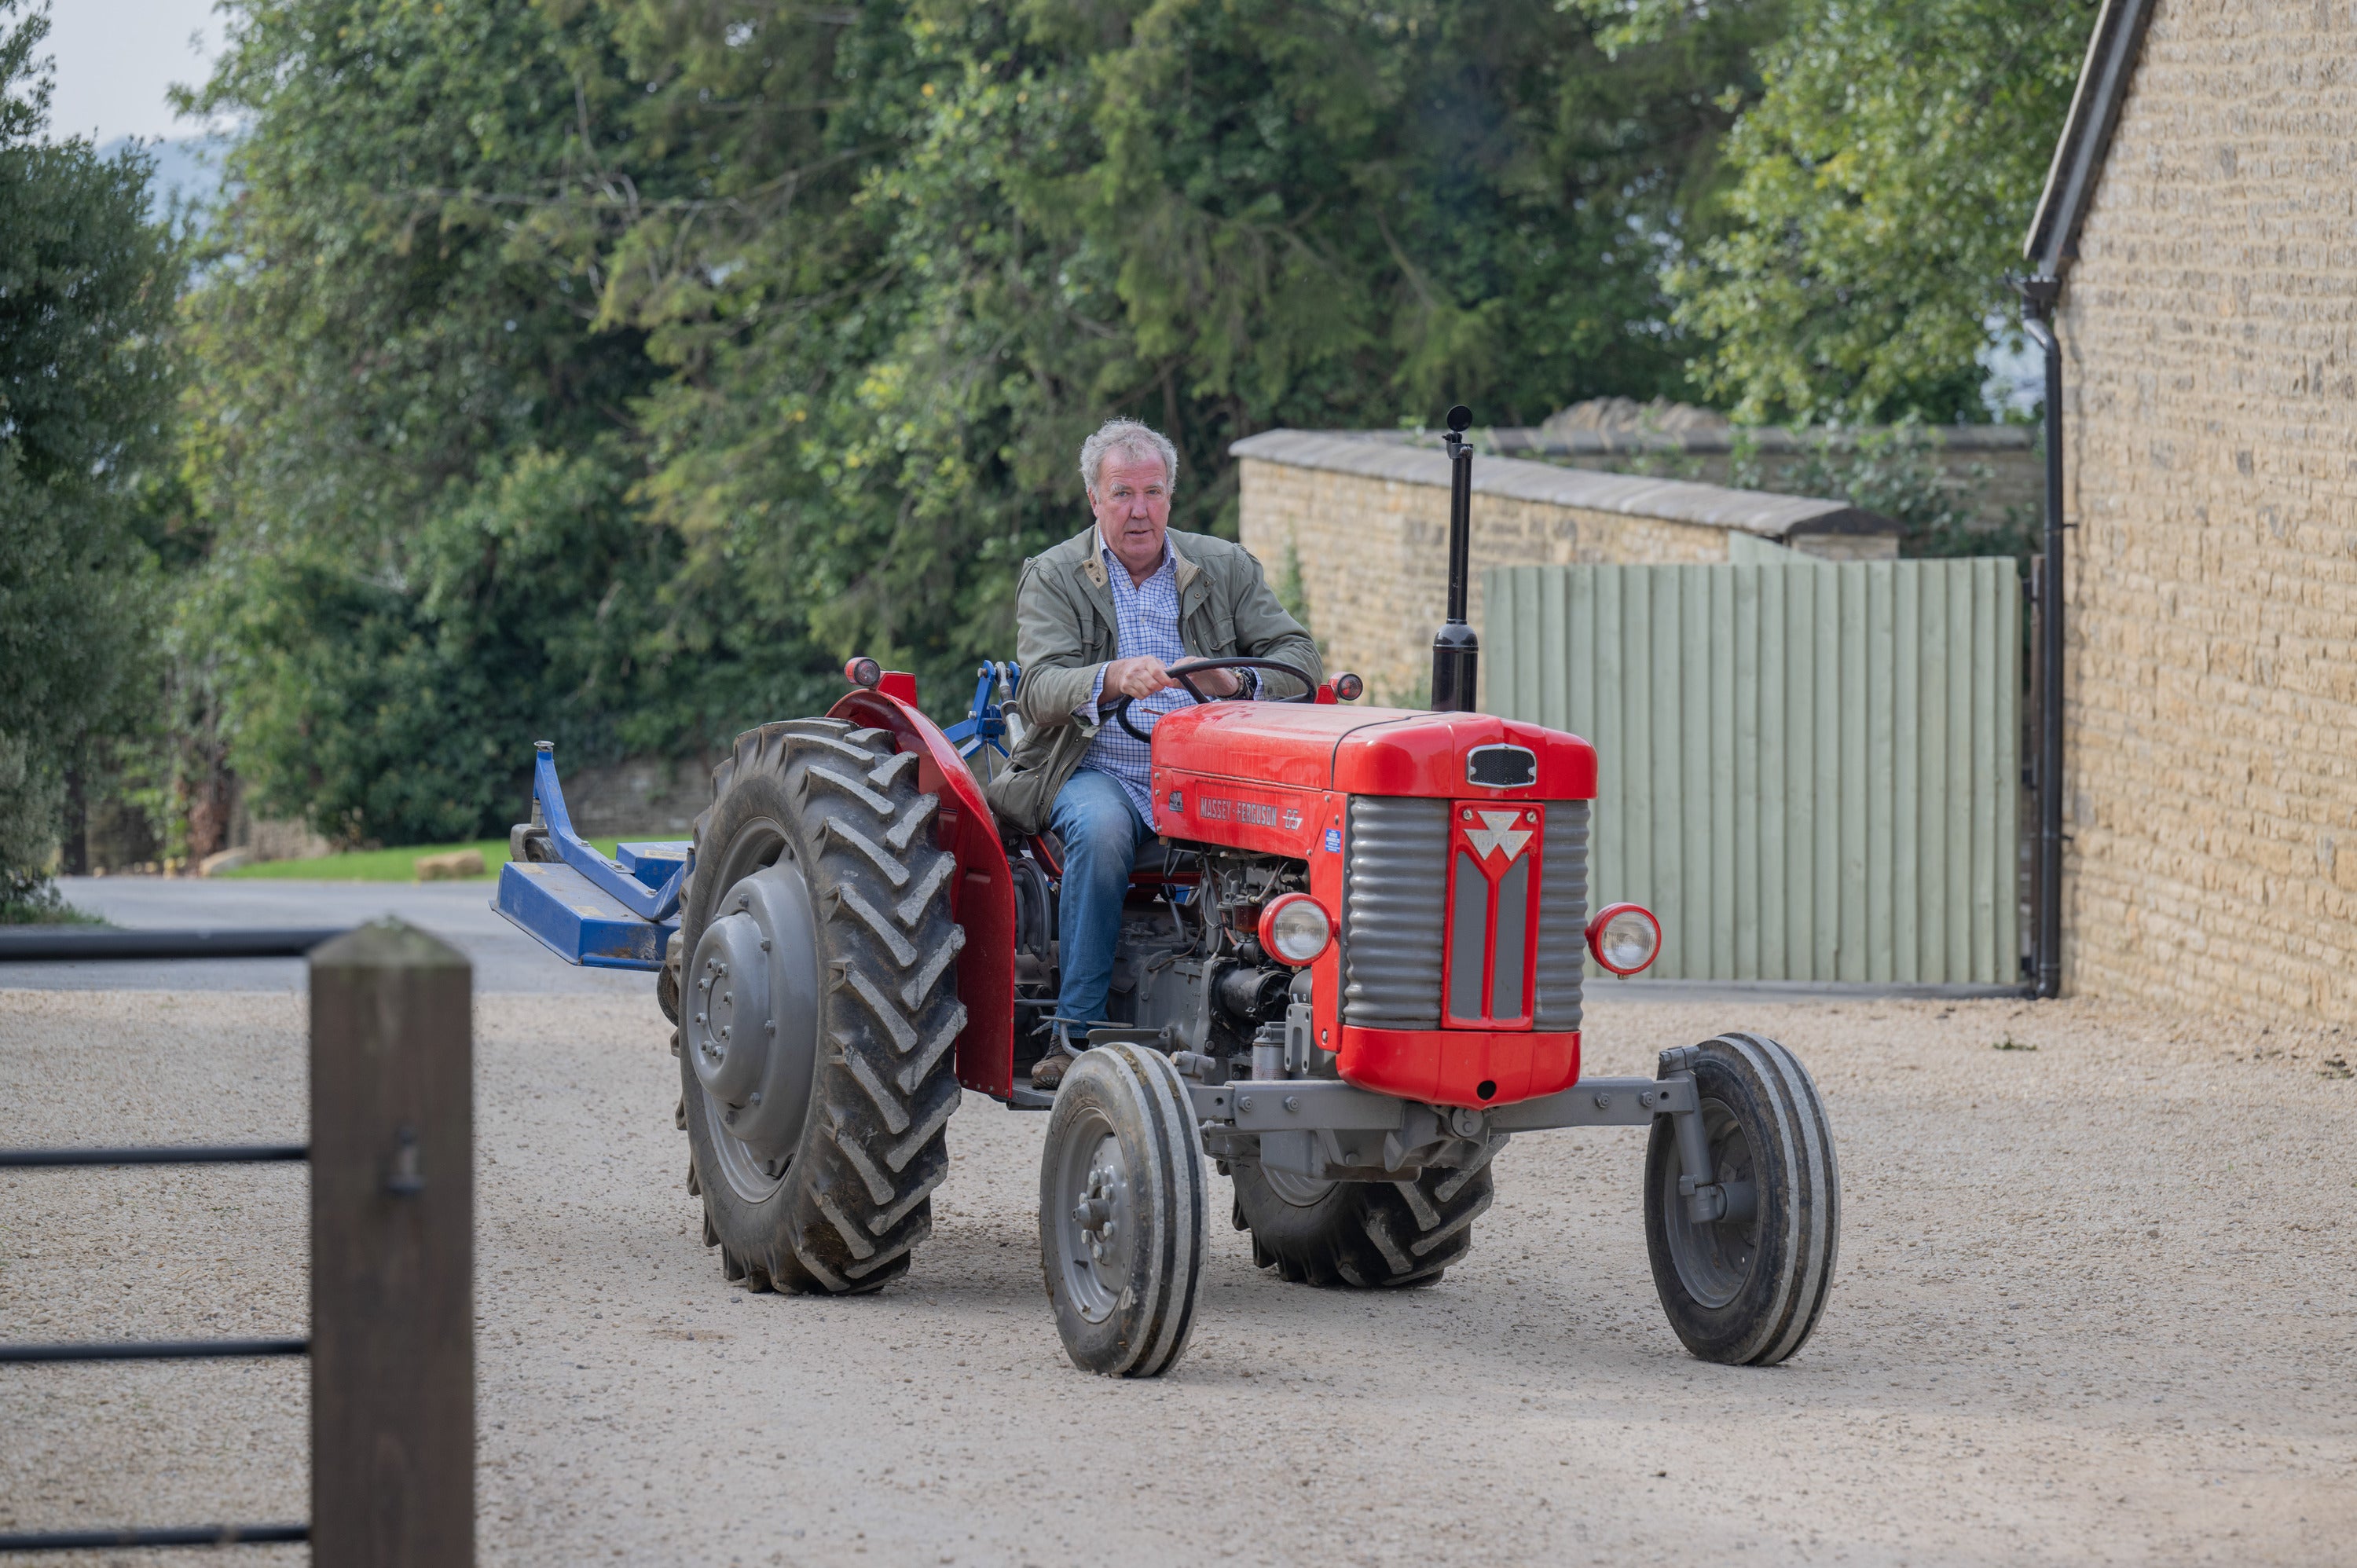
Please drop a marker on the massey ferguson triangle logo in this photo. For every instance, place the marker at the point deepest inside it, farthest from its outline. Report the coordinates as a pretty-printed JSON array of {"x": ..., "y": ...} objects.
[{"x": 1501, "y": 834}]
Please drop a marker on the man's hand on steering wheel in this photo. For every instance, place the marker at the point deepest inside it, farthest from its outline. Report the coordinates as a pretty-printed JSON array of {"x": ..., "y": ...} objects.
[
  {"x": 1145, "y": 676},
  {"x": 1196, "y": 675}
]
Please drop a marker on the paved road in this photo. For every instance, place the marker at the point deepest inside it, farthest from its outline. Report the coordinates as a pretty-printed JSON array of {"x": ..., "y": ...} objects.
[
  {"x": 2094, "y": 1306},
  {"x": 506, "y": 961}
]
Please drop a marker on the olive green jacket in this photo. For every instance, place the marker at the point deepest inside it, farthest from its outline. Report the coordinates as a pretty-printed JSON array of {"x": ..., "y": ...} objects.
[{"x": 1065, "y": 630}]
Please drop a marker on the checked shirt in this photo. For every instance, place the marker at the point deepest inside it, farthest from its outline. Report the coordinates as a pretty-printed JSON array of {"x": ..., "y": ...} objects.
[{"x": 1145, "y": 620}]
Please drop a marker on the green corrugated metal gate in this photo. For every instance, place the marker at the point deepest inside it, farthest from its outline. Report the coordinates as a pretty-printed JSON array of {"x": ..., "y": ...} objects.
[{"x": 1808, "y": 770}]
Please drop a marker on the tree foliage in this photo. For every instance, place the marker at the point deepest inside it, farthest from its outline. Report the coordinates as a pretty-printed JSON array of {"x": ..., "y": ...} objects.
[
  {"x": 87, "y": 286},
  {"x": 606, "y": 370},
  {"x": 1883, "y": 181}
]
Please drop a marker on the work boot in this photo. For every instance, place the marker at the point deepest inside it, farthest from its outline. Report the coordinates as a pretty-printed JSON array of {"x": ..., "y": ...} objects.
[{"x": 1049, "y": 1070}]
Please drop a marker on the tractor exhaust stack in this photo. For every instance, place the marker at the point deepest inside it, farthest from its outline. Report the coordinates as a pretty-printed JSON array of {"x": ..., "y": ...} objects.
[{"x": 1456, "y": 650}]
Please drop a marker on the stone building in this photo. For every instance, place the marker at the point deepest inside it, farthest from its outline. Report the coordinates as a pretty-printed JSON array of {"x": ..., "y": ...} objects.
[
  {"x": 2201, "y": 218},
  {"x": 1357, "y": 529}
]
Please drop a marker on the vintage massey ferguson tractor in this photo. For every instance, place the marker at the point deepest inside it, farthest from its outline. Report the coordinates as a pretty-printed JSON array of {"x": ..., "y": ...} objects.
[{"x": 1351, "y": 975}]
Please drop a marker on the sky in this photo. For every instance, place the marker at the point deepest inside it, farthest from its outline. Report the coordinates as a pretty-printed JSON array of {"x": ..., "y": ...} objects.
[{"x": 116, "y": 58}]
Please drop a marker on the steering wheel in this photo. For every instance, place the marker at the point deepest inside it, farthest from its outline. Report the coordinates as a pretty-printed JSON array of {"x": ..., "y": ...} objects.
[{"x": 1186, "y": 667}]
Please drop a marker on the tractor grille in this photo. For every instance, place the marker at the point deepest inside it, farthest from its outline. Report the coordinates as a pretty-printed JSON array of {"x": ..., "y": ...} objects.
[
  {"x": 1393, "y": 912},
  {"x": 1396, "y": 921},
  {"x": 1563, "y": 916}
]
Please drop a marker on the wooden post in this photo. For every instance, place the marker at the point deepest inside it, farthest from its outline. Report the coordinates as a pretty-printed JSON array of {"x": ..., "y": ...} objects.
[{"x": 392, "y": 1226}]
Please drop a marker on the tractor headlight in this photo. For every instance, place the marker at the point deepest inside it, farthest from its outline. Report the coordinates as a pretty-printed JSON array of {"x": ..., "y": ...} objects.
[
  {"x": 1624, "y": 938},
  {"x": 1294, "y": 930}
]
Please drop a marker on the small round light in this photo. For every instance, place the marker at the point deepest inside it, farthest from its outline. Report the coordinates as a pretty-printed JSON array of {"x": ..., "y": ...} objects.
[
  {"x": 1624, "y": 938},
  {"x": 1294, "y": 930},
  {"x": 864, "y": 671},
  {"x": 1349, "y": 687}
]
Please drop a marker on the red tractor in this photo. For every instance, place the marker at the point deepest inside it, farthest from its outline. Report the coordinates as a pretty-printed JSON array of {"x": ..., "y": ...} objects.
[{"x": 1350, "y": 975}]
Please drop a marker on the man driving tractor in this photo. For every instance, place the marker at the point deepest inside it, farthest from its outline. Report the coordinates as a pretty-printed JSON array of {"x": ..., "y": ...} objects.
[{"x": 1099, "y": 617}]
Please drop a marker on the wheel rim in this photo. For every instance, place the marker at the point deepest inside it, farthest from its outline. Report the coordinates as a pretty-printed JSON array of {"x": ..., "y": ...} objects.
[
  {"x": 1713, "y": 1259},
  {"x": 748, "y": 1176},
  {"x": 1301, "y": 1191},
  {"x": 1096, "y": 1217},
  {"x": 758, "y": 845}
]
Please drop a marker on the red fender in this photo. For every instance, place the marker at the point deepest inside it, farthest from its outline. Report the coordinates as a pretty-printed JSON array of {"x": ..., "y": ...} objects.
[{"x": 982, "y": 895}]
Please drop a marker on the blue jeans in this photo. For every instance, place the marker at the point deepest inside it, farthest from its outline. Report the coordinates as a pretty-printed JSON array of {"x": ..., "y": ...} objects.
[{"x": 1102, "y": 831}]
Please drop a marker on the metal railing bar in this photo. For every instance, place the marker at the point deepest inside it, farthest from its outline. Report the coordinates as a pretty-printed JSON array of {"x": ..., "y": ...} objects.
[
  {"x": 154, "y": 1350},
  {"x": 169, "y": 1154},
  {"x": 67, "y": 942},
  {"x": 185, "y": 1535}
]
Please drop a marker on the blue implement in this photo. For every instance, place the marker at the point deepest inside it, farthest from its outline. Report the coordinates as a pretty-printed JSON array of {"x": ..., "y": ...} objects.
[
  {"x": 585, "y": 908},
  {"x": 648, "y": 903},
  {"x": 653, "y": 861},
  {"x": 984, "y": 725},
  {"x": 576, "y": 920}
]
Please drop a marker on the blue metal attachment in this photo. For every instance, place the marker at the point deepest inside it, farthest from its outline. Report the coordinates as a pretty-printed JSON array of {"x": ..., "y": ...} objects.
[
  {"x": 984, "y": 723},
  {"x": 624, "y": 886},
  {"x": 576, "y": 920},
  {"x": 654, "y": 861},
  {"x": 586, "y": 909}
]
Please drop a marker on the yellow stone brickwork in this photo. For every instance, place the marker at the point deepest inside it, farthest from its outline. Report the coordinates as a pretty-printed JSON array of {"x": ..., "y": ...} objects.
[
  {"x": 2209, "y": 330},
  {"x": 1372, "y": 555}
]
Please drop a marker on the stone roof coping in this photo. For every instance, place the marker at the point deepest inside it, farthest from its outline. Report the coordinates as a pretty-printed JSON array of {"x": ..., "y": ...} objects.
[
  {"x": 1630, "y": 495},
  {"x": 1770, "y": 440}
]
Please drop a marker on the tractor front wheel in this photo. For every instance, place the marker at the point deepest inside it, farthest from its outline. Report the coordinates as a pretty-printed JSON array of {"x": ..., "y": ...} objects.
[
  {"x": 1121, "y": 1233},
  {"x": 817, "y": 999},
  {"x": 1747, "y": 1287}
]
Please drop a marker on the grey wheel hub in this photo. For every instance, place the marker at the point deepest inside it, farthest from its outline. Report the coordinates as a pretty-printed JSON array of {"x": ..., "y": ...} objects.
[
  {"x": 1099, "y": 1223},
  {"x": 751, "y": 1025},
  {"x": 1714, "y": 1257},
  {"x": 1301, "y": 1191}
]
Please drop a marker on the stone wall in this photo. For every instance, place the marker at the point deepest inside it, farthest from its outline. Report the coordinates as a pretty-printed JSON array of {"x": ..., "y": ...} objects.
[
  {"x": 1998, "y": 466},
  {"x": 267, "y": 838},
  {"x": 639, "y": 798},
  {"x": 1362, "y": 526},
  {"x": 2210, "y": 328}
]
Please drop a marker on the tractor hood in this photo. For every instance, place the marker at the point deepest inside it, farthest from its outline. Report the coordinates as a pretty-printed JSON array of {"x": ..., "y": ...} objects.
[{"x": 1375, "y": 751}]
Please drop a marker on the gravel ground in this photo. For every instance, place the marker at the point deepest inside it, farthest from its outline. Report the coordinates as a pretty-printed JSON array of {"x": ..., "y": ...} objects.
[{"x": 2094, "y": 1305}]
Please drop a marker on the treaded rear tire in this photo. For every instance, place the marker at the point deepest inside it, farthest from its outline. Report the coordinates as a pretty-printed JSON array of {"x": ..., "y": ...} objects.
[
  {"x": 1775, "y": 1269},
  {"x": 1369, "y": 1235},
  {"x": 855, "y": 1197}
]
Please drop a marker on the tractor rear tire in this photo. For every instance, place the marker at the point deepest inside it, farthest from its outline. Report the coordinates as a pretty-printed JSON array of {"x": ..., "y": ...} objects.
[
  {"x": 1746, "y": 1290},
  {"x": 1121, "y": 1212},
  {"x": 833, "y": 1203},
  {"x": 1372, "y": 1235}
]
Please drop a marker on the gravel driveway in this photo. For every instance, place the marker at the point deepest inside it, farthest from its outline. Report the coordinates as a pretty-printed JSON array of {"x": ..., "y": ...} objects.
[{"x": 2094, "y": 1305}]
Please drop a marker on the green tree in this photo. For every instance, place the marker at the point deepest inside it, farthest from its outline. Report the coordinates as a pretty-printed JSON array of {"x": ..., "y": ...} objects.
[
  {"x": 87, "y": 286},
  {"x": 412, "y": 438},
  {"x": 1883, "y": 181},
  {"x": 608, "y": 369}
]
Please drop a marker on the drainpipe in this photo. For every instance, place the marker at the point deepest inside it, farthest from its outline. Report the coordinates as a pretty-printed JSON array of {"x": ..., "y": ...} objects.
[{"x": 2039, "y": 295}]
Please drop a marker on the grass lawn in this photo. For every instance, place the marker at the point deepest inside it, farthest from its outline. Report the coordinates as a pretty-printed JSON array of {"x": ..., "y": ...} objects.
[
  {"x": 55, "y": 912},
  {"x": 395, "y": 864}
]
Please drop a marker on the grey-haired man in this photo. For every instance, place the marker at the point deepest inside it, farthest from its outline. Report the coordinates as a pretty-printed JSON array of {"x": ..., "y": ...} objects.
[{"x": 1101, "y": 616}]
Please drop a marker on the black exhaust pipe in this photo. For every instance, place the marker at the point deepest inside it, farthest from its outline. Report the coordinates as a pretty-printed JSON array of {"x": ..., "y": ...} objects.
[
  {"x": 1456, "y": 650},
  {"x": 2037, "y": 297}
]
